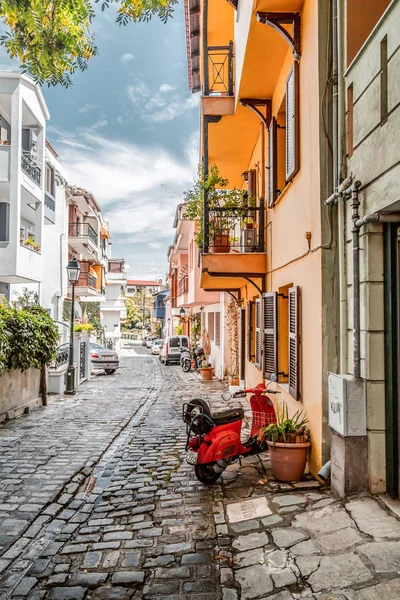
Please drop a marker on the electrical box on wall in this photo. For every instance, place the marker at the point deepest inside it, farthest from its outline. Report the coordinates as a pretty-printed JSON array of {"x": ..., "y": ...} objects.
[{"x": 347, "y": 405}]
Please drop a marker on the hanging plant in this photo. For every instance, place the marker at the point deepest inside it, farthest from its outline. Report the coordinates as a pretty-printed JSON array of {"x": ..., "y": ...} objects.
[{"x": 235, "y": 203}]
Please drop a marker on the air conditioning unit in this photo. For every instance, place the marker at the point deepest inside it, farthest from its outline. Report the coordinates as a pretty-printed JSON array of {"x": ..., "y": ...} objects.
[{"x": 248, "y": 240}]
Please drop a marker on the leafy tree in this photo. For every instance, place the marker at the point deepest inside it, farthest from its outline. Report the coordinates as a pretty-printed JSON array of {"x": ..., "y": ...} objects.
[
  {"x": 52, "y": 38},
  {"x": 134, "y": 309}
]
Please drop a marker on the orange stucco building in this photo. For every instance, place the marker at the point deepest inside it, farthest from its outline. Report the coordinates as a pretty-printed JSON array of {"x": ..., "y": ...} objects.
[{"x": 261, "y": 67}]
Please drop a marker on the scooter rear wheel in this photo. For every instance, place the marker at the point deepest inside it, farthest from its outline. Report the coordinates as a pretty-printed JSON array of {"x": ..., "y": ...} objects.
[{"x": 206, "y": 474}]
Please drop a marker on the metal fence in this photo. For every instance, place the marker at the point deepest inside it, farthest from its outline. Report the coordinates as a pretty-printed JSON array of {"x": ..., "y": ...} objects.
[
  {"x": 219, "y": 80},
  {"x": 241, "y": 230},
  {"x": 77, "y": 230}
]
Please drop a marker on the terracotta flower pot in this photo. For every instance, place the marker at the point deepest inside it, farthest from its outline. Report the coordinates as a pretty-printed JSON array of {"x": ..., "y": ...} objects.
[
  {"x": 221, "y": 244},
  {"x": 233, "y": 380},
  {"x": 207, "y": 373},
  {"x": 288, "y": 461}
]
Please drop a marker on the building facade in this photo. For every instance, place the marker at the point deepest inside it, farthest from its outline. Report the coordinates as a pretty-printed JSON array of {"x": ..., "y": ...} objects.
[
  {"x": 22, "y": 178},
  {"x": 113, "y": 308},
  {"x": 262, "y": 125},
  {"x": 367, "y": 204}
]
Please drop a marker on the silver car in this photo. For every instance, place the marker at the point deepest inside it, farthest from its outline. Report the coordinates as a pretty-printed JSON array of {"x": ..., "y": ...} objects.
[
  {"x": 155, "y": 349},
  {"x": 102, "y": 358}
]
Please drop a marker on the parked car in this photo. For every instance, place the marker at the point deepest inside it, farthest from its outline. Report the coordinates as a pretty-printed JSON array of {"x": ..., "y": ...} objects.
[
  {"x": 150, "y": 340},
  {"x": 171, "y": 348},
  {"x": 102, "y": 358},
  {"x": 156, "y": 347},
  {"x": 144, "y": 340}
]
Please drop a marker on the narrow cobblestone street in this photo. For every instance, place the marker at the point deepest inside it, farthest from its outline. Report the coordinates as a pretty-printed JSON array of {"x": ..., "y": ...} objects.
[{"x": 97, "y": 504}]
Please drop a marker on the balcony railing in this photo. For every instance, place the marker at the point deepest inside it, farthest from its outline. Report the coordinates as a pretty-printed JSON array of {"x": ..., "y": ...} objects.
[
  {"x": 219, "y": 78},
  {"x": 32, "y": 166},
  {"x": 241, "y": 230},
  {"x": 183, "y": 285},
  {"x": 82, "y": 230},
  {"x": 86, "y": 280}
]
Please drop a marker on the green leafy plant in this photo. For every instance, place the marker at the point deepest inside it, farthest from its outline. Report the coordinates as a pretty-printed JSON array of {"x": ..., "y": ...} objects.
[
  {"x": 286, "y": 430},
  {"x": 28, "y": 336},
  {"x": 52, "y": 38},
  {"x": 179, "y": 329},
  {"x": 234, "y": 202},
  {"x": 30, "y": 243}
]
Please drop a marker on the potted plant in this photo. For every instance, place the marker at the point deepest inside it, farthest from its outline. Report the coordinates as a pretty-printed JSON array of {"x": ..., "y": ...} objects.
[
  {"x": 226, "y": 208},
  {"x": 288, "y": 440},
  {"x": 233, "y": 379},
  {"x": 206, "y": 369}
]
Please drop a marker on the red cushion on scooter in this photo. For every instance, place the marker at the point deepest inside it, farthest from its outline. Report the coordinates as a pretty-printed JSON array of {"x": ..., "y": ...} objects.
[{"x": 227, "y": 415}]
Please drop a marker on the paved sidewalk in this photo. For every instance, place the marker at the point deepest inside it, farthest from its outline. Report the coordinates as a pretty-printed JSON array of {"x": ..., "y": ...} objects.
[{"x": 140, "y": 526}]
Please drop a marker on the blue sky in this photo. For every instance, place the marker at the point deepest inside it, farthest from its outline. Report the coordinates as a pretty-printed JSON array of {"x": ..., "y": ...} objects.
[{"x": 128, "y": 132}]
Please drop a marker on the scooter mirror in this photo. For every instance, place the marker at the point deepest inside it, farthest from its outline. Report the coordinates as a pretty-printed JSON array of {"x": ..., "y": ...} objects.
[{"x": 273, "y": 377}]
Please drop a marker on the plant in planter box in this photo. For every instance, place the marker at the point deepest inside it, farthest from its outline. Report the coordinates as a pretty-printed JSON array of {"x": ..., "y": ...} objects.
[
  {"x": 234, "y": 202},
  {"x": 288, "y": 440}
]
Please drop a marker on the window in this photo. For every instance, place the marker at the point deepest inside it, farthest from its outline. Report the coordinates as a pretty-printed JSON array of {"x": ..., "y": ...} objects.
[
  {"x": 4, "y": 222},
  {"x": 191, "y": 256},
  {"x": 277, "y": 336},
  {"x": 384, "y": 81},
  {"x": 350, "y": 110},
  {"x": 210, "y": 325},
  {"x": 49, "y": 181},
  {"x": 218, "y": 328},
  {"x": 250, "y": 331},
  {"x": 284, "y": 140}
]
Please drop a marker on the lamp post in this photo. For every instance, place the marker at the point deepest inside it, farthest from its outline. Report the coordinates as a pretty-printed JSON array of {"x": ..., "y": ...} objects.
[
  {"x": 169, "y": 332},
  {"x": 73, "y": 270}
]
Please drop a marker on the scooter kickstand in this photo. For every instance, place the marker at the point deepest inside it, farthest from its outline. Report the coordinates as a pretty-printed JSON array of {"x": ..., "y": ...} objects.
[{"x": 262, "y": 464}]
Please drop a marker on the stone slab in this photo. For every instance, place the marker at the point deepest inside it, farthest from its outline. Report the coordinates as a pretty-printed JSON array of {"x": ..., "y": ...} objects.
[
  {"x": 385, "y": 556},
  {"x": 254, "y": 581},
  {"x": 248, "y": 509},
  {"x": 323, "y": 521},
  {"x": 372, "y": 519},
  {"x": 344, "y": 570}
]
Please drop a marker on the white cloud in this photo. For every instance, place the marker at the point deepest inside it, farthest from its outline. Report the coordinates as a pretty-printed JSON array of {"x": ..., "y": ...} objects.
[
  {"x": 87, "y": 108},
  {"x": 166, "y": 87},
  {"x": 162, "y": 105},
  {"x": 127, "y": 57}
]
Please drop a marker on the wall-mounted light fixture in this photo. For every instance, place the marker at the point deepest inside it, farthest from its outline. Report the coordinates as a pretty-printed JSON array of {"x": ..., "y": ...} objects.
[{"x": 245, "y": 175}]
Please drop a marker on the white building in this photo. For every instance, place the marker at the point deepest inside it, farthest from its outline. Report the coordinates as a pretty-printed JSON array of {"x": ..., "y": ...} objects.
[
  {"x": 23, "y": 115},
  {"x": 55, "y": 236},
  {"x": 113, "y": 309}
]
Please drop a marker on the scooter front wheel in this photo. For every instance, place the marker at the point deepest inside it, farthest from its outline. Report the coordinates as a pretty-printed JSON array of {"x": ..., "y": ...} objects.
[
  {"x": 206, "y": 474},
  {"x": 186, "y": 366}
]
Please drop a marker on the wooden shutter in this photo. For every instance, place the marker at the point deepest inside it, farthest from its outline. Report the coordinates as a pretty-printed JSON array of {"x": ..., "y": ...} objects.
[
  {"x": 218, "y": 328},
  {"x": 258, "y": 333},
  {"x": 294, "y": 343},
  {"x": 210, "y": 327},
  {"x": 292, "y": 122},
  {"x": 272, "y": 163},
  {"x": 252, "y": 184},
  {"x": 250, "y": 330},
  {"x": 270, "y": 340}
]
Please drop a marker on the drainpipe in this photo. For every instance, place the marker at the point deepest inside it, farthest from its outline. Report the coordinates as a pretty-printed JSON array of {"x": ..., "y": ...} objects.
[
  {"x": 356, "y": 280},
  {"x": 205, "y": 129}
]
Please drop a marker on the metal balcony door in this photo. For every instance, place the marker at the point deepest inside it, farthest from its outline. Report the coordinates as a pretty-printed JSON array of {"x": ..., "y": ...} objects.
[{"x": 242, "y": 355}]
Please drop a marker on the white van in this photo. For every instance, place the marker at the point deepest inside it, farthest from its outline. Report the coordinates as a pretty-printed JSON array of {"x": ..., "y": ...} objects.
[{"x": 171, "y": 348}]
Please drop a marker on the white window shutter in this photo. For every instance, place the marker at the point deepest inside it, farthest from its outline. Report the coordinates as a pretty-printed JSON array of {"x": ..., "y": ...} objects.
[
  {"x": 272, "y": 163},
  {"x": 292, "y": 122}
]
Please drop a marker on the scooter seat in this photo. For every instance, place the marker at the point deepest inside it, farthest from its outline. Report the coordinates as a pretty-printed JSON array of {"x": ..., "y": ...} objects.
[{"x": 227, "y": 415}]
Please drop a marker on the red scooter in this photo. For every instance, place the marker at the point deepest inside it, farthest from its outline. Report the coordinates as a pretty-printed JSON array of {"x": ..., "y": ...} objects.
[{"x": 216, "y": 440}]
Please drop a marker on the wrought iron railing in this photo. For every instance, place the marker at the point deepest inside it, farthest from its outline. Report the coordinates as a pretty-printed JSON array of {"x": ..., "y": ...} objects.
[
  {"x": 219, "y": 78},
  {"x": 60, "y": 360},
  {"x": 240, "y": 230},
  {"x": 82, "y": 230},
  {"x": 183, "y": 285},
  {"x": 86, "y": 280},
  {"x": 32, "y": 166}
]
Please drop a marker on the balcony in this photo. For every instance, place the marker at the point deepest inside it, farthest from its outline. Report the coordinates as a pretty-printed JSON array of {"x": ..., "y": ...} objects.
[
  {"x": 84, "y": 239},
  {"x": 218, "y": 91},
  {"x": 49, "y": 208},
  {"x": 87, "y": 285},
  {"x": 235, "y": 249},
  {"x": 183, "y": 289},
  {"x": 31, "y": 165}
]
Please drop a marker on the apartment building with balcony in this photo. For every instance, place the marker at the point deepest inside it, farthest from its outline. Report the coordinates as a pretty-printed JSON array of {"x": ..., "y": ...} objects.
[
  {"x": 23, "y": 116},
  {"x": 89, "y": 242},
  {"x": 150, "y": 286},
  {"x": 209, "y": 309},
  {"x": 263, "y": 73},
  {"x": 113, "y": 308}
]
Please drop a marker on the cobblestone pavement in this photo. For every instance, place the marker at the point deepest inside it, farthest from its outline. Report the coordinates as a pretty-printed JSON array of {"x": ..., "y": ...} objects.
[{"x": 134, "y": 523}]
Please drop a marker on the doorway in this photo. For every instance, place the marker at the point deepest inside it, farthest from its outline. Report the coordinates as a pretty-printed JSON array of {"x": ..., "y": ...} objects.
[{"x": 392, "y": 362}]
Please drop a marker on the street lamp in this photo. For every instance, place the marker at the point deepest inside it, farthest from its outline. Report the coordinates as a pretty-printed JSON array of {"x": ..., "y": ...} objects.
[{"x": 73, "y": 270}]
